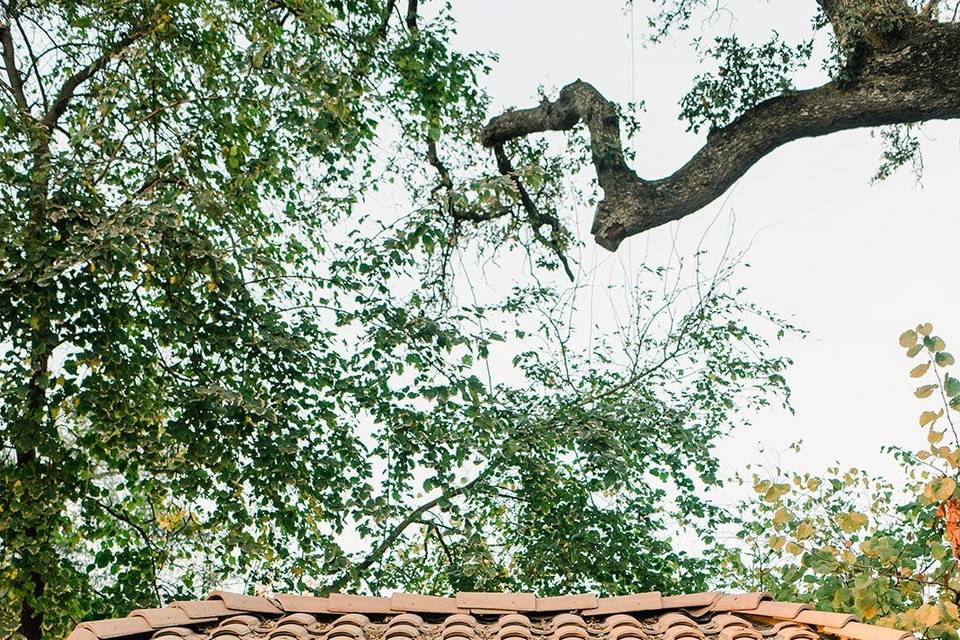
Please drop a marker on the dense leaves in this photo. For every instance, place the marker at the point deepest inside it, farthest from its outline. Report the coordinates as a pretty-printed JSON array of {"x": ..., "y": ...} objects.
[
  {"x": 220, "y": 367},
  {"x": 849, "y": 541}
]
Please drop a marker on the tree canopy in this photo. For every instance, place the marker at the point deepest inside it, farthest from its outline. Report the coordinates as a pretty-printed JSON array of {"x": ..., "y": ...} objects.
[
  {"x": 218, "y": 366},
  {"x": 223, "y": 363}
]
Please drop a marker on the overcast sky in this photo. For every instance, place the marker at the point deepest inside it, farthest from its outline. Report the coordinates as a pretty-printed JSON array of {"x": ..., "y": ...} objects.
[{"x": 853, "y": 263}]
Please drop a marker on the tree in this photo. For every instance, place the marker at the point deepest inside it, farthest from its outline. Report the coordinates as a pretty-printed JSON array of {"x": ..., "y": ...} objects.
[
  {"x": 894, "y": 62},
  {"x": 218, "y": 365},
  {"x": 852, "y": 542}
]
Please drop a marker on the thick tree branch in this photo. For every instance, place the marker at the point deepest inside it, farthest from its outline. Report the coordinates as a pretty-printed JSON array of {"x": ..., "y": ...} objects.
[
  {"x": 916, "y": 81},
  {"x": 10, "y": 66},
  {"x": 71, "y": 84}
]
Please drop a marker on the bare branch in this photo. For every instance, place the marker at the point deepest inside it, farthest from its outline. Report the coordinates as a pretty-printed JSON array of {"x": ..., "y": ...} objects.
[
  {"x": 917, "y": 81},
  {"x": 34, "y": 63},
  {"x": 537, "y": 219}
]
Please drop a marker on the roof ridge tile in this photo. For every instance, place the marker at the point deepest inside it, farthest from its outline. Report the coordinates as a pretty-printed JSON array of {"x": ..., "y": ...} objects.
[
  {"x": 632, "y": 617},
  {"x": 496, "y": 601},
  {"x": 346, "y": 603},
  {"x": 648, "y": 601},
  {"x": 241, "y": 602}
]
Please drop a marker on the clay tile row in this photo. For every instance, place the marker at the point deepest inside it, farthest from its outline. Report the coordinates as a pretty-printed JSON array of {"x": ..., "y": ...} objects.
[
  {"x": 293, "y": 617},
  {"x": 840, "y": 625}
]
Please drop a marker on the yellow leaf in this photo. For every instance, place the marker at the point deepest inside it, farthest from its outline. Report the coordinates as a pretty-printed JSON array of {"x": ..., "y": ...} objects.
[
  {"x": 851, "y": 521},
  {"x": 938, "y": 344},
  {"x": 794, "y": 548},
  {"x": 776, "y": 542},
  {"x": 781, "y": 517},
  {"x": 928, "y": 615},
  {"x": 868, "y": 612},
  {"x": 925, "y": 391},
  {"x": 924, "y": 329},
  {"x": 813, "y": 484},
  {"x": 937, "y": 550},
  {"x": 940, "y": 489},
  {"x": 946, "y": 489},
  {"x": 803, "y": 531},
  {"x": 929, "y": 417},
  {"x": 934, "y": 436},
  {"x": 908, "y": 338},
  {"x": 775, "y": 492},
  {"x": 952, "y": 611},
  {"x": 919, "y": 370}
]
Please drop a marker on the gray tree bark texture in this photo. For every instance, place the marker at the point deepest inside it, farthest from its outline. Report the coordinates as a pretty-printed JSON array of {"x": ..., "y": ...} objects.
[{"x": 902, "y": 67}]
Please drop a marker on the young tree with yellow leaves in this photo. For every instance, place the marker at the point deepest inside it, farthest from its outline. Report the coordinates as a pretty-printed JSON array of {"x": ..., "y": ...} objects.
[{"x": 853, "y": 542}]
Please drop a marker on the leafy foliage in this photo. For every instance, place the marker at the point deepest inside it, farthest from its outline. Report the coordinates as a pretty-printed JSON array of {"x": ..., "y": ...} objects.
[
  {"x": 901, "y": 147},
  {"x": 220, "y": 366},
  {"x": 746, "y": 75},
  {"x": 848, "y": 541}
]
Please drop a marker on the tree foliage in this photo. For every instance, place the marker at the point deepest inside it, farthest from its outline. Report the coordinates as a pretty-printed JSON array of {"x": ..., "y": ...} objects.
[
  {"x": 849, "y": 541},
  {"x": 219, "y": 365}
]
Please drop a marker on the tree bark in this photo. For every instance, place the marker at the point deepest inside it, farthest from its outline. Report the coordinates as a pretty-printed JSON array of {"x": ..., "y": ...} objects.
[{"x": 911, "y": 74}]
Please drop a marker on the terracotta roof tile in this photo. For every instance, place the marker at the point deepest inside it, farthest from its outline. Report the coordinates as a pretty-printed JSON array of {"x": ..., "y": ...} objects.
[
  {"x": 739, "y": 602},
  {"x": 365, "y": 604},
  {"x": 495, "y": 602},
  {"x": 690, "y": 600},
  {"x": 203, "y": 609},
  {"x": 118, "y": 627},
  {"x": 240, "y": 602},
  {"x": 302, "y": 604},
  {"x": 567, "y": 603},
  {"x": 624, "y": 604},
  {"x": 82, "y": 633},
  {"x": 771, "y": 609},
  {"x": 485, "y": 616},
  {"x": 425, "y": 604},
  {"x": 825, "y": 618},
  {"x": 164, "y": 617},
  {"x": 860, "y": 631}
]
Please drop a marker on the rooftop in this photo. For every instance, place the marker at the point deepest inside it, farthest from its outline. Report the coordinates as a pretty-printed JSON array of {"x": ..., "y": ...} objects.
[{"x": 484, "y": 616}]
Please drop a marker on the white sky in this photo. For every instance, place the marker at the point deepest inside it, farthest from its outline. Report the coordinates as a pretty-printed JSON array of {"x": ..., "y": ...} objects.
[{"x": 854, "y": 264}]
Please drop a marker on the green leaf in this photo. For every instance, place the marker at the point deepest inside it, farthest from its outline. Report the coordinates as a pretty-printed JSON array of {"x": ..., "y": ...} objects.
[
  {"x": 944, "y": 359},
  {"x": 951, "y": 386}
]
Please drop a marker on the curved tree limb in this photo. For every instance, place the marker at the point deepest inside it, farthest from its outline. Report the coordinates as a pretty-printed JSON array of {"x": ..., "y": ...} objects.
[
  {"x": 912, "y": 76},
  {"x": 412, "y": 517}
]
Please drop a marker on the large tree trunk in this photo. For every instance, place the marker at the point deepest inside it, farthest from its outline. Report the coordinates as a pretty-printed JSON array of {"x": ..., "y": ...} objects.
[{"x": 902, "y": 67}]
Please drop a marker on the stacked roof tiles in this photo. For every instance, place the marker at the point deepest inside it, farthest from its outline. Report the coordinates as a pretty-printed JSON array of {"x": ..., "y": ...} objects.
[{"x": 484, "y": 616}]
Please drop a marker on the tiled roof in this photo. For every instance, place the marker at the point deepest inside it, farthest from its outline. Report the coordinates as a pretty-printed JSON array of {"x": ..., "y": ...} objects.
[{"x": 484, "y": 616}]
